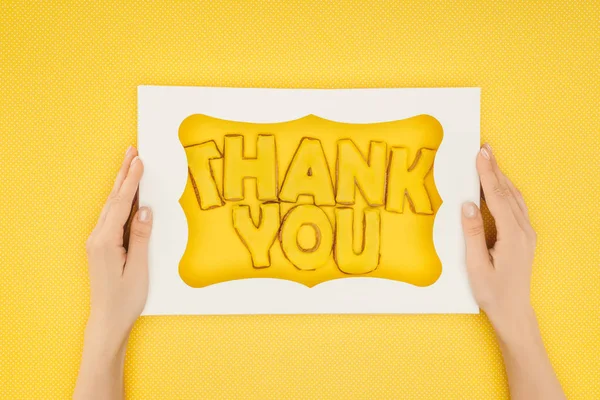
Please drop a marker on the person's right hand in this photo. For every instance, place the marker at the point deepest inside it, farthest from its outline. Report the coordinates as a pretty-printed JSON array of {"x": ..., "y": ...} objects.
[{"x": 500, "y": 277}]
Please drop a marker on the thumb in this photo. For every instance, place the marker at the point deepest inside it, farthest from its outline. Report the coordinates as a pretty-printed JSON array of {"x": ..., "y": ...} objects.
[
  {"x": 141, "y": 227},
  {"x": 478, "y": 255}
]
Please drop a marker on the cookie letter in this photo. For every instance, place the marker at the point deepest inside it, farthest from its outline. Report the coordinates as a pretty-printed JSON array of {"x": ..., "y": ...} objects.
[
  {"x": 201, "y": 174},
  {"x": 257, "y": 239},
  {"x": 306, "y": 254},
  {"x": 367, "y": 259},
  {"x": 237, "y": 167},
  {"x": 353, "y": 169},
  {"x": 405, "y": 181},
  {"x": 308, "y": 174}
]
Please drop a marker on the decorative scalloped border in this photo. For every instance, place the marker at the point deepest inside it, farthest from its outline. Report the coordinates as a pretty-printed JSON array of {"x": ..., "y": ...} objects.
[{"x": 160, "y": 112}]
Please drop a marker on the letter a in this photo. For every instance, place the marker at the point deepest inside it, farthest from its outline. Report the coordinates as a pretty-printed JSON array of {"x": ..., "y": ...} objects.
[{"x": 308, "y": 174}]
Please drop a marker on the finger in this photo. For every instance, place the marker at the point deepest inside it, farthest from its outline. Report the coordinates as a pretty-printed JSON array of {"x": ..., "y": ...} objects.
[
  {"x": 519, "y": 198},
  {"x": 477, "y": 254},
  {"x": 132, "y": 180},
  {"x": 510, "y": 195},
  {"x": 120, "y": 205},
  {"x": 523, "y": 207},
  {"x": 496, "y": 192},
  {"x": 137, "y": 256},
  {"x": 129, "y": 155}
]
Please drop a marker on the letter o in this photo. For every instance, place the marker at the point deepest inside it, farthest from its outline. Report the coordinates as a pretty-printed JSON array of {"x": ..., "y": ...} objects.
[{"x": 312, "y": 258}]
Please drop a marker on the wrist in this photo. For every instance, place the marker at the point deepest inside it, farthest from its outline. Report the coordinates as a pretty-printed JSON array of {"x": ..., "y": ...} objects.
[
  {"x": 102, "y": 363},
  {"x": 515, "y": 326},
  {"x": 104, "y": 339}
]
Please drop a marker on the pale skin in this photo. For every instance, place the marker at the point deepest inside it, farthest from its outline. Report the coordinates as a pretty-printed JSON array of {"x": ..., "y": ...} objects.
[{"x": 500, "y": 278}]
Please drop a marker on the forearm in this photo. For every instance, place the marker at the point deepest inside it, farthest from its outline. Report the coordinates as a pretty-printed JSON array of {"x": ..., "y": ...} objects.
[
  {"x": 529, "y": 371},
  {"x": 102, "y": 363}
]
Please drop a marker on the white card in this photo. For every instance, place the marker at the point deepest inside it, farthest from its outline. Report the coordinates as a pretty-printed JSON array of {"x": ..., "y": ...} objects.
[{"x": 275, "y": 277}]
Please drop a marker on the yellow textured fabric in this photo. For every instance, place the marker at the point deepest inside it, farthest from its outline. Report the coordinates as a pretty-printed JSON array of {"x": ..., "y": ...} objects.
[{"x": 68, "y": 77}]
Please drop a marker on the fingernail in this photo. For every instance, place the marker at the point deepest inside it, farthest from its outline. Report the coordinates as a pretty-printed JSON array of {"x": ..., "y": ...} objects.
[
  {"x": 135, "y": 159},
  {"x": 485, "y": 152},
  {"x": 129, "y": 149},
  {"x": 144, "y": 214},
  {"x": 469, "y": 210}
]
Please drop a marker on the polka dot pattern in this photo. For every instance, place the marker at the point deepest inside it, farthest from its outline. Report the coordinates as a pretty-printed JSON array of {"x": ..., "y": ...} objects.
[{"x": 68, "y": 78}]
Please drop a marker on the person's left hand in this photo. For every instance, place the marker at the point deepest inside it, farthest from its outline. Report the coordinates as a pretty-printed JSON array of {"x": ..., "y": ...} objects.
[{"x": 119, "y": 276}]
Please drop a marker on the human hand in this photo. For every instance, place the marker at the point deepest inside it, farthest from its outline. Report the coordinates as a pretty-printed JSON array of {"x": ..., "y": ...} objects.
[
  {"x": 501, "y": 276},
  {"x": 119, "y": 276},
  {"x": 119, "y": 285}
]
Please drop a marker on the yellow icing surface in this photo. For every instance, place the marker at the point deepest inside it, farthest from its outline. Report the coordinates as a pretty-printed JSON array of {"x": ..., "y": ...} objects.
[{"x": 310, "y": 200}]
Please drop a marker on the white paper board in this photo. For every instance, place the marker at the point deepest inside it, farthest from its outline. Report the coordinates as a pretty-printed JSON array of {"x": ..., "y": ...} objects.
[{"x": 161, "y": 109}]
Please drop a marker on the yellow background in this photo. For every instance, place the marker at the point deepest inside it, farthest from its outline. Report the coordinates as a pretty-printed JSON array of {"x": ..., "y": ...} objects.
[{"x": 68, "y": 77}]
